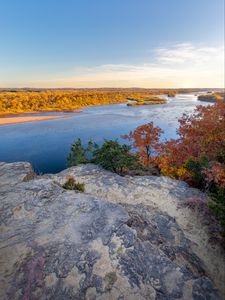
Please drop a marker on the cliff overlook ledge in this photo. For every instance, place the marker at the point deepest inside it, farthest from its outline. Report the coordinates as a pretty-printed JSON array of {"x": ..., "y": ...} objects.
[{"x": 123, "y": 238}]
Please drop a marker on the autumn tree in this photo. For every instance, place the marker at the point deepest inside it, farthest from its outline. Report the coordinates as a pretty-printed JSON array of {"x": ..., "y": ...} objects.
[
  {"x": 145, "y": 142},
  {"x": 201, "y": 134},
  {"x": 198, "y": 155}
]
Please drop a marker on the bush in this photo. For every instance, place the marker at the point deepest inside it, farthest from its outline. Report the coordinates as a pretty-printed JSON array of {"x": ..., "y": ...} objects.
[
  {"x": 115, "y": 157},
  {"x": 80, "y": 155},
  {"x": 71, "y": 184},
  {"x": 79, "y": 186},
  {"x": 111, "y": 156},
  {"x": 77, "y": 154}
]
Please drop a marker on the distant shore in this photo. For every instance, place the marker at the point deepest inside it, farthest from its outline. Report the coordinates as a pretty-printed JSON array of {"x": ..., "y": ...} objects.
[{"x": 15, "y": 120}]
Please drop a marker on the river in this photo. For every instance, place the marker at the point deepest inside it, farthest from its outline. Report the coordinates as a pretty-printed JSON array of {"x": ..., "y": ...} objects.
[{"x": 46, "y": 143}]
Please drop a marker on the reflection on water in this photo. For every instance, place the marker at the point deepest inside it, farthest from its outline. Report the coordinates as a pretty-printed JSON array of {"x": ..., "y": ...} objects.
[{"x": 46, "y": 144}]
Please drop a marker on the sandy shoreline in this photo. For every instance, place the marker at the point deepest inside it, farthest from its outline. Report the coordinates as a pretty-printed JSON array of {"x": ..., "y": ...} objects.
[{"x": 14, "y": 120}]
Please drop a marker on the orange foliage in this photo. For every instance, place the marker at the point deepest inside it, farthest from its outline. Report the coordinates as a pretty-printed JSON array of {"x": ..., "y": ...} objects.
[
  {"x": 216, "y": 173},
  {"x": 19, "y": 101},
  {"x": 28, "y": 100},
  {"x": 201, "y": 134},
  {"x": 145, "y": 139}
]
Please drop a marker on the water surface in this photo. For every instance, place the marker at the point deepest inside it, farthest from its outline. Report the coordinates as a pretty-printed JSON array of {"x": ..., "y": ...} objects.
[{"x": 46, "y": 143}]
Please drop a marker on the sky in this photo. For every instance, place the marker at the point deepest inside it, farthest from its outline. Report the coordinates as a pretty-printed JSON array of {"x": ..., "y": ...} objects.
[{"x": 112, "y": 43}]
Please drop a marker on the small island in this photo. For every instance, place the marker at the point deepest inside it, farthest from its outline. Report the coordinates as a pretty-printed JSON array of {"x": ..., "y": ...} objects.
[
  {"x": 212, "y": 97},
  {"x": 171, "y": 94},
  {"x": 152, "y": 100}
]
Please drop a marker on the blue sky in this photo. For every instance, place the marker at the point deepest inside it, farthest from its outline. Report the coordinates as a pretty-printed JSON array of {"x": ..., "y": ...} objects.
[{"x": 96, "y": 43}]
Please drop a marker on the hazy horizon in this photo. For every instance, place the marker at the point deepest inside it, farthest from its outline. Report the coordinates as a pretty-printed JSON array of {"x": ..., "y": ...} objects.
[{"x": 105, "y": 88}]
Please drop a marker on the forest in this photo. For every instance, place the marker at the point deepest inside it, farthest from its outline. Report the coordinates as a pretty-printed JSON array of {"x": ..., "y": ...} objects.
[{"x": 42, "y": 100}]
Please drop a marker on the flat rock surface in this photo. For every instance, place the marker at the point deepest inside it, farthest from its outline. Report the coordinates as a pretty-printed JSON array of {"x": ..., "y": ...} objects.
[
  {"x": 121, "y": 239},
  {"x": 11, "y": 174}
]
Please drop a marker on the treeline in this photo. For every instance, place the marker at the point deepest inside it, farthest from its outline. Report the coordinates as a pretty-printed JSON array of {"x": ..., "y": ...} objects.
[
  {"x": 54, "y": 100},
  {"x": 23, "y": 101}
]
